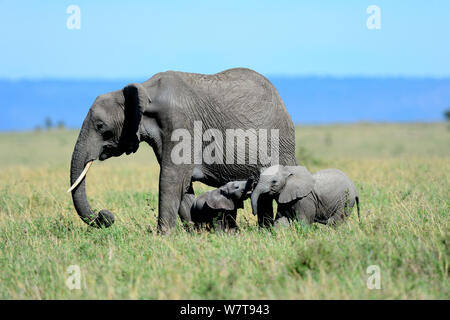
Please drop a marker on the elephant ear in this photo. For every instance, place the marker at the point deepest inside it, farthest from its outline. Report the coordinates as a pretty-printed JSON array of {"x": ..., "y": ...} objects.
[
  {"x": 136, "y": 101},
  {"x": 299, "y": 183},
  {"x": 218, "y": 201}
]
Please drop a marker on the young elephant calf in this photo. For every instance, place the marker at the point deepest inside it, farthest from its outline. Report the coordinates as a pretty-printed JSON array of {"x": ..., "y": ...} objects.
[
  {"x": 218, "y": 208},
  {"x": 326, "y": 196}
]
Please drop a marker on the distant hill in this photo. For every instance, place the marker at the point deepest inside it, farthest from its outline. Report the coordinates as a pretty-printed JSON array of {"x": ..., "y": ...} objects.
[{"x": 25, "y": 104}]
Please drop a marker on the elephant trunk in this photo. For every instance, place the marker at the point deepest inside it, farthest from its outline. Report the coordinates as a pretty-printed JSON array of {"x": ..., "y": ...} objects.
[
  {"x": 79, "y": 161},
  {"x": 255, "y": 196}
]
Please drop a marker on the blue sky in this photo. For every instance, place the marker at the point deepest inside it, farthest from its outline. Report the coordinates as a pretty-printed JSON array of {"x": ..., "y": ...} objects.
[{"x": 135, "y": 39}]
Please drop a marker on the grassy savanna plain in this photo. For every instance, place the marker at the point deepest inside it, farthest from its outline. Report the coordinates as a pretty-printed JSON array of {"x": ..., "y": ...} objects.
[{"x": 402, "y": 172}]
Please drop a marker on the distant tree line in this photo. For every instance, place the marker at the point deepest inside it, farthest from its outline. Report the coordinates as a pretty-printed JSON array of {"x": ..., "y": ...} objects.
[
  {"x": 49, "y": 125},
  {"x": 60, "y": 125}
]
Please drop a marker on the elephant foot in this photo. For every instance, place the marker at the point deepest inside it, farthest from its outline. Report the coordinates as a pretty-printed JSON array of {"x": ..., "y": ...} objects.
[
  {"x": 233, "y": 231},
  {"x": 282, "y": 222},
  {"x": 189, "y": 226},
  {"x": 164, "y": 231},
  {"x": 336, "y": 220},
  {"x": 166, "y": 226}
]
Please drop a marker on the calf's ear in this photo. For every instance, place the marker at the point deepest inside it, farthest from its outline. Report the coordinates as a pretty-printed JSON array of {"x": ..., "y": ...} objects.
[
  {"x": 216, "y": 200},
  {"x": 299, "y": 183}
]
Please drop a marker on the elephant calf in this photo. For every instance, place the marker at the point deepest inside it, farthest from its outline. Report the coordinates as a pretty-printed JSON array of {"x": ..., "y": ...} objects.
[
  {"x": 218, "y": 208},
  {"x": 326, "y": 196}
]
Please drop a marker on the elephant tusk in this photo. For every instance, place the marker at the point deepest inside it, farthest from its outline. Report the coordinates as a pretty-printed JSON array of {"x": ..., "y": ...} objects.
[{"x": 77, "y": 182}]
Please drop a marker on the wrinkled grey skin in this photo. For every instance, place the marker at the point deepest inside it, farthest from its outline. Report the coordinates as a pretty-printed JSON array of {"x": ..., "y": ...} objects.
[
  {"x": 218, "y": 208},
  {"x": 118, "y": 121},
  {"x": 327, "y": 196}
]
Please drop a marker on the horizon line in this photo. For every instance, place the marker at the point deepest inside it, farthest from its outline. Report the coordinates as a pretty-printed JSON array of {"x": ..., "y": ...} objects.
[{"x": 296, "y": 124}]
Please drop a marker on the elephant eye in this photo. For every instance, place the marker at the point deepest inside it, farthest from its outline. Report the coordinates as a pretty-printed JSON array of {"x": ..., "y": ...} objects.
[{"x": 99, "y": 126}]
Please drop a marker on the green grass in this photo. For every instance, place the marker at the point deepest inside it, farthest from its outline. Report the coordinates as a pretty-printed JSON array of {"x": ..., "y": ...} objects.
[{"x": 401, "y": 171}]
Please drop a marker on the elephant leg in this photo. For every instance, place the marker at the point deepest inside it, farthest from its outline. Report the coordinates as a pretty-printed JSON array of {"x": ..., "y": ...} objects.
[
  {"x": 171, "y": 191},
  {"x": 265, "y": 211},
  {"x": 285, "y": 212},
  {"x": 185, "y": 208},
  {"x": 283, "y": 217},
  {"x": 219, "y": 223},
  {"x": 337, "y": 218},
  {"x": 305, "y": 209},
  {"x": 281, "y": 222},
  {"x": 230, "y": 221},
  {"x": 340, "y": 211}
]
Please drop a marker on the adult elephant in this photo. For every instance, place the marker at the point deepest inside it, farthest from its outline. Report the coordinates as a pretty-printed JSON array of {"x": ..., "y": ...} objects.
[{"x": 163, "y": 112}]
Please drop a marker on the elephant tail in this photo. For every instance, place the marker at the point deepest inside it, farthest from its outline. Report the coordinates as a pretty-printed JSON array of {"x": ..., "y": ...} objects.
[{"x": 357, "y": 207}]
